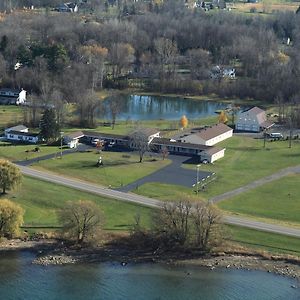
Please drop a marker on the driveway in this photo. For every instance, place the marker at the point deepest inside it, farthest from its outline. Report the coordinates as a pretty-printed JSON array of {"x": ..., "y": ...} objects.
[{"x": 171, "y": 174}]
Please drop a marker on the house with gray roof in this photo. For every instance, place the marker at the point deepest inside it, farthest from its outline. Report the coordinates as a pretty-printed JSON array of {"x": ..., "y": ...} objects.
[{"x": 253, "y": 120}]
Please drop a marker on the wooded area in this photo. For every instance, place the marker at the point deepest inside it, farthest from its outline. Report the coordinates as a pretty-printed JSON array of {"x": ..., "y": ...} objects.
[{"x": 65, "y": 57}]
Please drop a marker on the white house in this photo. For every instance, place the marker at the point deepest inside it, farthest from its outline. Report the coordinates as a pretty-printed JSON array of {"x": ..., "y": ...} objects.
[
  {"x": 253, "y": 119},
  {"x": 72, "y": 139},
  {"x": 207, "y": 136},
  {"x": 22, "y": 98}
]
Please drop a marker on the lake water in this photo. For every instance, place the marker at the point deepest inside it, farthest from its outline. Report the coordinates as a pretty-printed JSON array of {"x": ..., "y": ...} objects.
[
  {"x": 20, "y": 280},
  {"x": 167, "y": 108}
]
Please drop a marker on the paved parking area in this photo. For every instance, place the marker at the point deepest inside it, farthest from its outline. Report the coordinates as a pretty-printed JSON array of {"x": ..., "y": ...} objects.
[{"x": 171, "y": 174}]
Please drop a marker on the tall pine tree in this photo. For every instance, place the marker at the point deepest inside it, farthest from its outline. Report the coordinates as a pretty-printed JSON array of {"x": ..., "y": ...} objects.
[{"x": 49, "y": 126}]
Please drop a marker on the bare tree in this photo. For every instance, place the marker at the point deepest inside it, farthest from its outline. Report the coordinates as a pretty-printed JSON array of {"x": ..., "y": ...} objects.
[
  {"x": 139, "y": 141},
  {"x": 80, "y": 219}
]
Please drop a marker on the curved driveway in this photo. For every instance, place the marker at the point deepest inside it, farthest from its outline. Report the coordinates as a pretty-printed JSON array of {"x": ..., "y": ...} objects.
[{"x": 99, "y": 190}]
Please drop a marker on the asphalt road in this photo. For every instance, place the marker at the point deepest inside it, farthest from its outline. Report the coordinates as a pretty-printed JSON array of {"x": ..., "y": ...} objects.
[{"x": 128, "y": 197}]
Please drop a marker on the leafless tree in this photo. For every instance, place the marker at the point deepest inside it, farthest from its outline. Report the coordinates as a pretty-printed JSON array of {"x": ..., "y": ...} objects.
[{"x": 139, "y": 141}]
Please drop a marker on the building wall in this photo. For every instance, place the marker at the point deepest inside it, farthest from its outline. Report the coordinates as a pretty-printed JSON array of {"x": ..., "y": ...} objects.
[
  {"x": 214, "y": 157},
  {"x": 21, "y": 138},
  {"x": 195, "y": 139},
  {"x": 248, "y": 122},
  {"x": 219, "y": 138}
]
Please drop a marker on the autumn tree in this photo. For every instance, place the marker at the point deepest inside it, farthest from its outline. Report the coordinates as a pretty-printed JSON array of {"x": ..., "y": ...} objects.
[
  {"x": 10, "y": 175},
  {"x": 222, "y": 117},
  {"x": 184, "y": 121},
  {"x": 80, "y": 220},
  {"x": 121, "y": 55},
  {"x": 11, "y": 218},
  {"x": 49, "y": 127},
  {"x": 96, "y": 55},
  {"x": 115, "y": 107}
]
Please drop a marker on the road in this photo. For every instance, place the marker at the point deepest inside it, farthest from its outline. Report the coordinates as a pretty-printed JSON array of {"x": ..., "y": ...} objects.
[{"x": 128, "y": 197}]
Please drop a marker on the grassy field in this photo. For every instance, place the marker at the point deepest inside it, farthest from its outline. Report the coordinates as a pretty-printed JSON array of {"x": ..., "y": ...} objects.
[
  {"x": 271, "y": 242},
  {"x": 118, "y": 168},
  {"x": 17, "y": 152},
  {"x": 246, "y": 160},
  {"x": 41, "y": 200},
  {"x": 165, "y": 192},
  {"x": 10, "y": 115},
  {"x": 276, "y": 200}
]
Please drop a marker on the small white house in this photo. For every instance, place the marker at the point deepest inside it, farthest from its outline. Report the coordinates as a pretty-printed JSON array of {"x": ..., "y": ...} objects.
[
  {"x": 208, "y": 136},
  {"x": 22, "y": 98},
  {"x": 72, "y": 139},
  {"x": 212, "y": 154},
  {"x": 253, "y": 119}
]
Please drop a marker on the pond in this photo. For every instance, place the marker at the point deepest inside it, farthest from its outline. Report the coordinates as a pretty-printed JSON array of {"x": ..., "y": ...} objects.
[
  {"x": 20, "y": 279},
  {"x": 136, "y": 107}
]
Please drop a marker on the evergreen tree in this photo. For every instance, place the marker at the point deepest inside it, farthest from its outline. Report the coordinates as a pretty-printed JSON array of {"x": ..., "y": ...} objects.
[{"x": 49, "y": 126}]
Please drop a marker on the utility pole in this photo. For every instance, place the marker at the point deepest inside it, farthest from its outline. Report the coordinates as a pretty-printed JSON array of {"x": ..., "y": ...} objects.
[
  {"x": 61, "y": 142},
  {"x": 291, "y": 132},
  {"x": 197, "y": 182}
]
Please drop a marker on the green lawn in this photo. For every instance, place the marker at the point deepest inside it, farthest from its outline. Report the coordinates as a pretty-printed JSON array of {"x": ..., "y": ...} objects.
[
  {"x": 15, "y": 152},
  {"x": 164, "y": 192},
  {"x": 272, "y": 242},
  {"x": 10, "y": 115},
  {"x": 279, "y": 200},
  {"x": 118, "y": 168},
  {"x": 246, "y": 160},
  {"x": 41, "y": 200}
]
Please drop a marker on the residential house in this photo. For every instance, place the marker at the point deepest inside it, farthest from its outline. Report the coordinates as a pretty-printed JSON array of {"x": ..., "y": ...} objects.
[
  {"x": 20, "y": 134},
  {"x": 253, "y": 120},
  {"x": 12, "y": 96},
  {"x": 72, "y": 139},
  {"x": 67, "y": 7},
  {"x": 207, "y": 136}
]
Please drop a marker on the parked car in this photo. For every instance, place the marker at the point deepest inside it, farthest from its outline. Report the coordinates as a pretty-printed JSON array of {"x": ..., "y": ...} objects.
[{"x": 275, "y": 135}]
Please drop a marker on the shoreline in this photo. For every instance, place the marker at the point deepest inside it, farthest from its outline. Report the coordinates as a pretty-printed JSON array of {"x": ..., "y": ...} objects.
[{"x": 53, "y": 252}]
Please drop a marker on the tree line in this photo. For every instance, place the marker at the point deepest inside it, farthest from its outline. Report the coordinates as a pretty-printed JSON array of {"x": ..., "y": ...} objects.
[{"x": 64, "y": 58}]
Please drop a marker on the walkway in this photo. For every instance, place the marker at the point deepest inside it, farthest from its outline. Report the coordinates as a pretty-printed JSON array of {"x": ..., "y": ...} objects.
[{"x": 256, "y": 183}]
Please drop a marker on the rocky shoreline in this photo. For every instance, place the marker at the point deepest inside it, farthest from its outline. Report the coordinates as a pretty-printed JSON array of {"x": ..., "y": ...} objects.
[{"x": 50, "y": 252}]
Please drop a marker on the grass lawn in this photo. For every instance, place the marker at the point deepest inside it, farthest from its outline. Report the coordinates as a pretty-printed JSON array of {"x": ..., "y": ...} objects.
[
  {"x": 246, "y": 160},
  {"x": 15, "y": 152},
  {"x": 278, "y": 200},
  {"x": 272, "y": 242},
  {"x": 41, "y": 200},
  {"x": 10, "y": 115},
  {"x": 118, "y": 168},
  {"x": 164, "y": 192}
]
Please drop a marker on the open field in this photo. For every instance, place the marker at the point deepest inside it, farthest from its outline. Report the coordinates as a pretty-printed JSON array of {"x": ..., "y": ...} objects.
[
  {"x": 41, "y": 200},
  {"x": 271, "y": 242},
  {"x": 276, "y": 200},
  {"x": 118, "y": 168},
  {"x": 15, "y": 152},
  {"x": 246, "y": 160},
  {"x": 10, "y": 115}
]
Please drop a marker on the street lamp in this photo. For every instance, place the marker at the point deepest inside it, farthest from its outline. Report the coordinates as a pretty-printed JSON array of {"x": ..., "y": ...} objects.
[
  {"x": 197, "y": 168},
  {"x": 61, "y": 142}
]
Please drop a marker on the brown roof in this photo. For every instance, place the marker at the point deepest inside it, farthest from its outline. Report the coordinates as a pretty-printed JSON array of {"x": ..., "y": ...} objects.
[
  {"x": 213, "y": 150},
  {"x": 75, "y": 135},
  {"x": 267, "y": 124},
  {"x": 164, "y": 141},
  {"x": 211, "y": 132},
  {"x": 147, "y": 131},
  {"x": 255, "y": 110},
  {"x": 105, "y": 135}
]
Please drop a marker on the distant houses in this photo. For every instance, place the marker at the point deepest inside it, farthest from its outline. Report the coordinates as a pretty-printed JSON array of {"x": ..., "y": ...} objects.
[
  {"x": 20, "y": 133},
  {"x": 253, "y": 120},
  {"x": 12, "y": 96}
]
